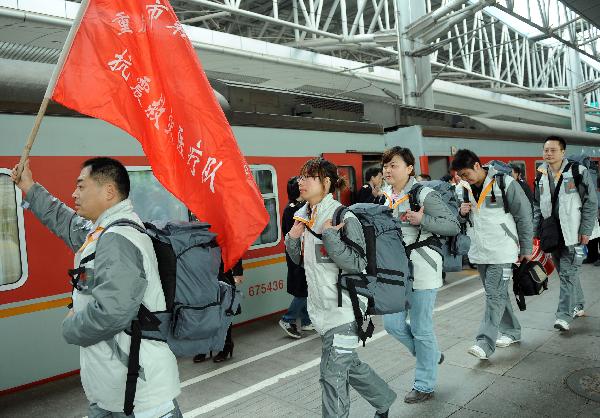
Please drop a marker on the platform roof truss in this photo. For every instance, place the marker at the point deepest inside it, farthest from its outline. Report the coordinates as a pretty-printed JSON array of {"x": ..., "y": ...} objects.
[{"x": 476, "y": 47}]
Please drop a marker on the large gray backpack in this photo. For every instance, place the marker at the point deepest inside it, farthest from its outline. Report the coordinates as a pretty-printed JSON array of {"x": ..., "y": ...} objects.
[
  {"x": 389, "y": 273},
  {"x": 199, "y": 307},
  {"x": 452, "y": 248}
]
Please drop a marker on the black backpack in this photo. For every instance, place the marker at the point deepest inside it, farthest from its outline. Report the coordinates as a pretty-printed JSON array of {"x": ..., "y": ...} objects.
[{"x": 529, "y": 279}]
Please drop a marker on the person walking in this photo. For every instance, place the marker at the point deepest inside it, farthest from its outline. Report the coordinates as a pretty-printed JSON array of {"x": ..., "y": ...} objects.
[
  {"x": 314, "y": 239},
  {"x": 296, "y": 277},
  {"x": 498, "y": 239}
]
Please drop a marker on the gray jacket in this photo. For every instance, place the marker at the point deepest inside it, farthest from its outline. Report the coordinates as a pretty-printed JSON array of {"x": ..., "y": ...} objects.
[
  {"x": 122, "y": 275},
  {"x": 118, "y": 271},
  {"x": 520, "y": 209}
]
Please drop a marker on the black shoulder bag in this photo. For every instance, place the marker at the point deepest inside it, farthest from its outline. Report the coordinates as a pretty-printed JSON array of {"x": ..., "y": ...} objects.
[{"x": 550, "y": 229}]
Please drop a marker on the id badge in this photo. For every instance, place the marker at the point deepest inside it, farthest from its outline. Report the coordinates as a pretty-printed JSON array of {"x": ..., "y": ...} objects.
[
  {"x": 403, "y": 218},
  {"x": 321, "y": 254},
  {"x": 507, "y": 273},
  {"x": 569, "y": 185}
]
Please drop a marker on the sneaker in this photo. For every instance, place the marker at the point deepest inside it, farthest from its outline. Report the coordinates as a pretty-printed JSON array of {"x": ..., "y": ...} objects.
[
  {"x": 505, "y": 341},
  {"x": 561, "y": 325},
  {"x": 309, "y": 327},
  {"x": 478, "y": 352},
  {"x": 415, "y": 396},
  {"x": 578, "y": 312},
  {"x": 290, "y": 329},
  {"x": 597, "y": 263}
]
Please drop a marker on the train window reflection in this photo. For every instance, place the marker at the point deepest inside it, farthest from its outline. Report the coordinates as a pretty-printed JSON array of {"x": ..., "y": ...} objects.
[
  {"x": 13, "y": 262},
  {"x": 266, "y": 179},
  {"x": 151, "y": 201},
  {"x": 522, "y": 166}
]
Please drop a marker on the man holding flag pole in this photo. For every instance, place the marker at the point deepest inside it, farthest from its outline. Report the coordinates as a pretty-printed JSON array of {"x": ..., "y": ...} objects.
[{"x": 132, "y": 65}]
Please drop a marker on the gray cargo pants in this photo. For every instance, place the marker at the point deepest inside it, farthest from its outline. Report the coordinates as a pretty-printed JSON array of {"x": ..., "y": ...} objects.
[
  {"x": 96, "y": 412},
  {"x": 341, "y": 367},
  {"x": 499, "y": 315},
  {"x": 571, "y": 293}
]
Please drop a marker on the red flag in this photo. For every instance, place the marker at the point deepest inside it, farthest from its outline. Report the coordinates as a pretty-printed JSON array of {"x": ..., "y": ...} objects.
[{"x": 132, "y": 65}]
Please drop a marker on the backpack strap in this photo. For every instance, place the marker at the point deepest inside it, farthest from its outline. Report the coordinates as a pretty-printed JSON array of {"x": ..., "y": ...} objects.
[
  {"x": 501, "y": 180},
  {"x": 318, "y": 236},
  {"x": 338, "y": 218},
  {"x": 538, "y": 178},
  {"x": 145, "y": 321},
  {"x": 465, "y": 195},
  {"x": 432, "y": 242},
  {"x": 413, "y": 197},
  {"x": 415, "y": 206},
  {"x": 554, "y": 197},
  {"x": 358, "y": 315},
  {"x": 76, "y": 273},
  {"x": 578, "y": 177}
]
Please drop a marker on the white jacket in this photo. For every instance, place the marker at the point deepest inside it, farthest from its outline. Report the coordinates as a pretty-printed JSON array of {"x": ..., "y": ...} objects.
[
  {"x": 494, "y": 236},
  {"x": 427, "y": 263},
  {"x": 322, "y": 272},
  {"x": 569, "y": 204}
]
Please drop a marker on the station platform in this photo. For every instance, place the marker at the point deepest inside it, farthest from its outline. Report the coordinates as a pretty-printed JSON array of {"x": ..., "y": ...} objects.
[{"x": 271, "y": 375}]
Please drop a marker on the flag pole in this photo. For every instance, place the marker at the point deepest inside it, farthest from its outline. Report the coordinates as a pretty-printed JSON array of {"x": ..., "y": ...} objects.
[{"x": 50, "y": 89}]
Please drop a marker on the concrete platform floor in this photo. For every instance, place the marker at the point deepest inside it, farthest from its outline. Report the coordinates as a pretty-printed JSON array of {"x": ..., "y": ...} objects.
[{"x": 271, "y": 375}]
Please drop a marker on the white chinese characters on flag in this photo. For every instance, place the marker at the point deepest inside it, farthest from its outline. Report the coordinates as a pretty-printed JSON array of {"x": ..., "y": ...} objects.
[{"x": 132, "y": 65}]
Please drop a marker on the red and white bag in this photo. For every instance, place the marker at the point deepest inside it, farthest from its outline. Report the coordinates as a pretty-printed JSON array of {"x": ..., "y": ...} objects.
[{"x": 544, "y": 259}]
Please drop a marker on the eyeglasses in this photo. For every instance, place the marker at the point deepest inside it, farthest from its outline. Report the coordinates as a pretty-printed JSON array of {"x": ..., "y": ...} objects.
[{"x": 304, "y": 178}]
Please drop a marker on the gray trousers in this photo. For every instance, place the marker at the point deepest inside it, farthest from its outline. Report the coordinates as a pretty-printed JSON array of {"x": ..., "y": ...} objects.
[
  {"x": 571, "y": 293},
  {"x": 499, "y": 315},
  {"x": 341, "y": 367},
  {"x": 97, "y": 412}
]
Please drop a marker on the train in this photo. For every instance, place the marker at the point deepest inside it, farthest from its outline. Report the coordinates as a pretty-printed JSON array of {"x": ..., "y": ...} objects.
[{"x": 34, "y": 286}]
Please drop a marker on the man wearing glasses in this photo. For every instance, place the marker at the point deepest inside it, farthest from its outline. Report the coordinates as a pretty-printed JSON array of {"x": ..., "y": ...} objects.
[{"x": 564, "y": 218}]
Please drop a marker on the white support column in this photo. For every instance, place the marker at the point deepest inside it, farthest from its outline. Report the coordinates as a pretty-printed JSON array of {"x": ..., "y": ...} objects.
[
  {"x": 415, "y": 71},
  {"x": 574, "y": 79}
]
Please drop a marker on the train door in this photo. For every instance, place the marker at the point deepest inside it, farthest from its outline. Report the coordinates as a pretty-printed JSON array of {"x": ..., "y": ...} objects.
[
  {"x": 437, "y": 167},
  {"x": 370, "y": 161},
  {"x": 348, "y": 165}
]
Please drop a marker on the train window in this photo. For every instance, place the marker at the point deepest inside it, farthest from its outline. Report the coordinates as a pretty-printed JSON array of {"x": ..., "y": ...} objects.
[
  {"x": 13, "y": 255},
  {"x": 522, "y": 166},
  {"x": 346, "y": 196},
  {"x": 266, "y": 179},
  {"x": 151, "y": 201}
]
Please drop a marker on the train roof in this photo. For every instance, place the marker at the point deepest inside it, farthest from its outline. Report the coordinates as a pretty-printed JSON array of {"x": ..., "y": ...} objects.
[{"x": 484, "y": 128}]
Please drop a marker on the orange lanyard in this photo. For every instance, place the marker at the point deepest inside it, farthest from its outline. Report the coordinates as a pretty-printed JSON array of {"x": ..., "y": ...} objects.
[
  {"x": 91, "y": 238},
  {"x": 394, "y": 205},
  {"x": 484, "y": 193}
]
